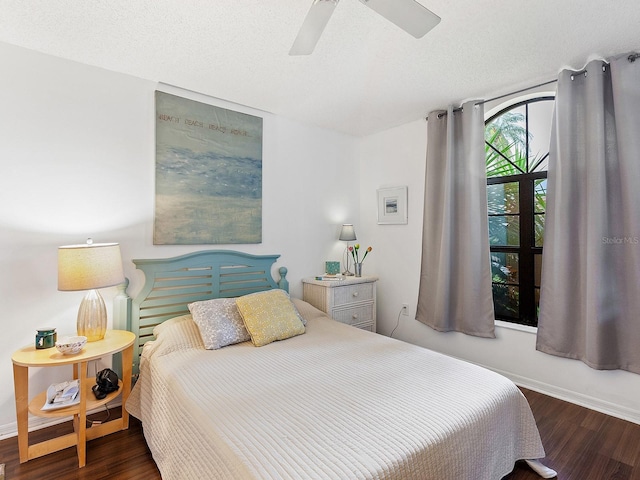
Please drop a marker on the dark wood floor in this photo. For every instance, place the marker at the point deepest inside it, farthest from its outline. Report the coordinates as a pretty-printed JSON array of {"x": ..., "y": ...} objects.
[
  {"x": 122, "y": 455},
  {"x": 581, "y": 445}
]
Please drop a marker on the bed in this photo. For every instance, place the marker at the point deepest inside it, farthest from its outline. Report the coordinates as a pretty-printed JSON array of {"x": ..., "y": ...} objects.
[{"x": 329, "y": 402}]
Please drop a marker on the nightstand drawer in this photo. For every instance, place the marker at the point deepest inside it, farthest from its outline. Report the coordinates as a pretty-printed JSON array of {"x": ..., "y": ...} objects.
[
  {"x": 355, "y": 315},
  {"x": 348, "y": 294}
]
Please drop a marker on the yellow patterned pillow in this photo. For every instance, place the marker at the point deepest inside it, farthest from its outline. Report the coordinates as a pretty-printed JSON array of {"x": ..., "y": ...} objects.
[{"x": 269, "y": 316}]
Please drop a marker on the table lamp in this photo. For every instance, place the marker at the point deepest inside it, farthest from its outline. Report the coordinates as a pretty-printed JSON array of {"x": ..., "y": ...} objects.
[
  {"x": 88, "y": 267},
  {"x": 347, "y": 234}
]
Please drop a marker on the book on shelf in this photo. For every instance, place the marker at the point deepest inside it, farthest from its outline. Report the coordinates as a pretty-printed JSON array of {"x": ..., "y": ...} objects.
[
  {"x": 62, "y": 395},
  {"x": 327, "y": 276}
]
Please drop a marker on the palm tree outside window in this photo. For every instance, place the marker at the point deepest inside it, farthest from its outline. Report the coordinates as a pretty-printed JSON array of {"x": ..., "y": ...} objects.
[{"x": 517, "y": 156}]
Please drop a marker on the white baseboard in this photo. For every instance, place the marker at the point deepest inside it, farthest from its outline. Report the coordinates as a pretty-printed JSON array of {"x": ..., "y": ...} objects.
[
  {"x": 36, "y": 423},
  {"x": 592, "y": 403}
]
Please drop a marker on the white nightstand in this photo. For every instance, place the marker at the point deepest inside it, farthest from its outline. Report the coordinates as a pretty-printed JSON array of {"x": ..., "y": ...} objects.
[{"x": 351, "y": 301}]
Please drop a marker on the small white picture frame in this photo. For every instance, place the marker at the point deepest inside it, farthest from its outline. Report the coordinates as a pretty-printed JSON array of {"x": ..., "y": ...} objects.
[{"x": 392, "y": 206}]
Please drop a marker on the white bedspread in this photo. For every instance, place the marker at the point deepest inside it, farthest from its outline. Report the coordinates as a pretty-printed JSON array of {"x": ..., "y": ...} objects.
[{"x": 334, "y": 403}]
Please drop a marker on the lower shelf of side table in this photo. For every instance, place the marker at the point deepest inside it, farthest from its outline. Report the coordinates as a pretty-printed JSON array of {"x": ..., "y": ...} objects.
[
  {"x": 80, "y": 435},
  {"x": 36, "y": 403}
]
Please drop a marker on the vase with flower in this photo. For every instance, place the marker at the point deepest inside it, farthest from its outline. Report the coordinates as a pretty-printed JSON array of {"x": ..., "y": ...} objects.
[{"x": 356, "y": 257}]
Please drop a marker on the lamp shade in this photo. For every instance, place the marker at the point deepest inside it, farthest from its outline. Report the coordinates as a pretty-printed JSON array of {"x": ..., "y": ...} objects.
[
  {"x": 89, "y": 266},
  {"x": 347, "y": 233}
]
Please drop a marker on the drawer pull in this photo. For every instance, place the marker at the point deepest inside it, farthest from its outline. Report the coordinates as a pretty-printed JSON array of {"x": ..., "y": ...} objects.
[
  {"x": 355, "y": 316},
  {"x": 355, "y": 294}
]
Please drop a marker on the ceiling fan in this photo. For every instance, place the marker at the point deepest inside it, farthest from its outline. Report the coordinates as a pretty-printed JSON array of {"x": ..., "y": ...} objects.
[{"x": 409, "y": 15}]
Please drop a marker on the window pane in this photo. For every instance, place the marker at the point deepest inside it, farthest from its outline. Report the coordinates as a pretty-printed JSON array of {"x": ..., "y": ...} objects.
[
  {"x": 504, "y": 267},
  {"x": 540, "y": 195},
  {"x": 506, "y": 300},
  {"x": 540, "y": 116},
  {"x": 540, "y": 165},
  {"x": 503, "y": 198},
  {"x": 497, "y": 164},
  {"x": 506, "y": 143},
  {"x": 539, "y": 229},
  {"x": 537, "y": 304},
  {"x": 539, "y": 207},
  {"x": 504, "y": 230}
]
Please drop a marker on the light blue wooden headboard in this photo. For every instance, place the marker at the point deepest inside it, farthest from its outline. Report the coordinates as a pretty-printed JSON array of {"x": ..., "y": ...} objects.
[{"x": 172, "y": 283}]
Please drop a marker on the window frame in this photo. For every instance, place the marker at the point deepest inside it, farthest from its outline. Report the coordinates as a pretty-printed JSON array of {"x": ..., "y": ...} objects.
[{"x": 527, "y": 249}]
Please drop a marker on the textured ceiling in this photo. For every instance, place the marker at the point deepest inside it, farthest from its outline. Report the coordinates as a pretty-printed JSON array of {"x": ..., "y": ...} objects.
[{"x": 366, "y": 75}]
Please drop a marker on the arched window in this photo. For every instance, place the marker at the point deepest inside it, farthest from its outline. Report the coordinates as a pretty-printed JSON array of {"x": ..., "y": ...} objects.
[{"x": 517, "y": 156}]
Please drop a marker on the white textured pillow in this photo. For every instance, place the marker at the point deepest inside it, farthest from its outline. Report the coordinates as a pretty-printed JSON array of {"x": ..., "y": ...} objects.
[{"x": 219, "y": 322}]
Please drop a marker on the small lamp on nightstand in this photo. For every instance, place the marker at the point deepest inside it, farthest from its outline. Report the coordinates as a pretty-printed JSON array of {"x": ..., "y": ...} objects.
[
  {"x": 347, "y": 234},
  {"x": 88, "y": 267}
]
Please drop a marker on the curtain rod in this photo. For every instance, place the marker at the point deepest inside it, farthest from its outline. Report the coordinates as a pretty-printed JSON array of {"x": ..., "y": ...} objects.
[
  {"x": 517, "y": 91},
  {"x": 631, "y": 58},
  {"x": 459, "y": 109}
]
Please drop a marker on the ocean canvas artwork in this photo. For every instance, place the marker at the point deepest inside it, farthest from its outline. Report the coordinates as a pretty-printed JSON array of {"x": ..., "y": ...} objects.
[{"x": 208, "y": 174}]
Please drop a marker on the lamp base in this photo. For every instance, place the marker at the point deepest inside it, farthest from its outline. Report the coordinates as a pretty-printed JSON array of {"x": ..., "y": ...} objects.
[
  {"x": 347, "y": 274},
  {"x": 92, "y": 317}
]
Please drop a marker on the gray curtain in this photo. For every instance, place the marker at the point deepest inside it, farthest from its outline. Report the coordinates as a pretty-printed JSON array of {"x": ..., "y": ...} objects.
[
  {"x": 455, "y": 279},
  {"x": 590, "y": 292}
]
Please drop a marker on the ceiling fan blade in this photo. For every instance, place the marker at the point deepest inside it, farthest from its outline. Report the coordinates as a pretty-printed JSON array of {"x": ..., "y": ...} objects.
[
  {"x": 313, "y": 26},
  {"x": 409, "y": 15}
]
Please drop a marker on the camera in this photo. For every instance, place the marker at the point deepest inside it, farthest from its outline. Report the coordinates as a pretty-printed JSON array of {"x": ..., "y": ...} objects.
[{"x": 106, "y": 382}]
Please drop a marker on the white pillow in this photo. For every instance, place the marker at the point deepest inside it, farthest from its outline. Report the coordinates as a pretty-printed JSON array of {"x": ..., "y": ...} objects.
[{"x": 219, "y": 322}]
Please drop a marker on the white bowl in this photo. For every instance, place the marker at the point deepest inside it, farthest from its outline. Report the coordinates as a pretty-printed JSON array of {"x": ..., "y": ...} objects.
[{"x": 71, "y": 345}]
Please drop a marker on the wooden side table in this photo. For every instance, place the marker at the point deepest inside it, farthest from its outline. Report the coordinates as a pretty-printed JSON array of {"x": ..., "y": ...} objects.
[
  {"x": 351, "y": 301},
  {"x": 114, "y": 341}
]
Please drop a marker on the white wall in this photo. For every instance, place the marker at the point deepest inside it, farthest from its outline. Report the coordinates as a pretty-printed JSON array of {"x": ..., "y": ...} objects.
[
  {"x": 77, "y": 160},
  {"x": 397, "y": 157}
]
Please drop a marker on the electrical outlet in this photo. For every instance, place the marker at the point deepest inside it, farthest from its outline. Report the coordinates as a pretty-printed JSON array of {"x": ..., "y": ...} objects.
[{"x": 405, "y": 309}]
